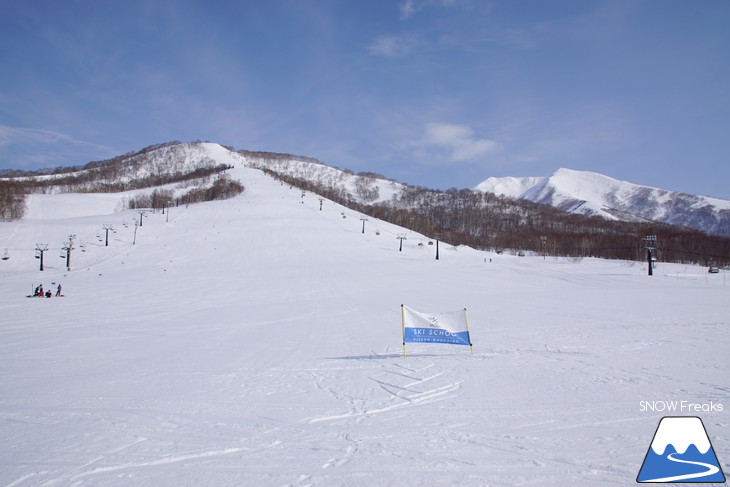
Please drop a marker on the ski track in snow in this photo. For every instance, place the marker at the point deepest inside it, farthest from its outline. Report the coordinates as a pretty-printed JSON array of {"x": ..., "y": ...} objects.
[
  {"x": 407, "y": 394},
  {"x": 257, "y": 341}
]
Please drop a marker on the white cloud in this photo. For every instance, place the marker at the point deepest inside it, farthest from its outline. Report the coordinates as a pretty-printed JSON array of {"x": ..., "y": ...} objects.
[
  {"x": 391, "y": 46},
  {"x": 459, "y": 141},
  {"x": 9, "y": 135},
  {"x": 409, "y": 7},
  {"x": 22, "y": 147}
]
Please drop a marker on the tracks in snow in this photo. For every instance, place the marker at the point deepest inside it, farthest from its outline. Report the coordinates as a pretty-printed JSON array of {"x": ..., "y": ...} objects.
[{"x": 403, "y": 386}]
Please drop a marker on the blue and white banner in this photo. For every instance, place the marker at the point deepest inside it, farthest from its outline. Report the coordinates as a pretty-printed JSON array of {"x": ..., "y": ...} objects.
[{"x": 446, "y": 327}]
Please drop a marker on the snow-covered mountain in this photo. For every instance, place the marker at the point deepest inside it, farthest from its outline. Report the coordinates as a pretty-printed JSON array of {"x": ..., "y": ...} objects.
[{"x": 591, "y": 193}]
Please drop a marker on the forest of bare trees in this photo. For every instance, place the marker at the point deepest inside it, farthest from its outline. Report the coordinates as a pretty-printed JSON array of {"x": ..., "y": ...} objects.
[
  {"x": 12, "y": 201},
  {"x": 222, "y": 188}
]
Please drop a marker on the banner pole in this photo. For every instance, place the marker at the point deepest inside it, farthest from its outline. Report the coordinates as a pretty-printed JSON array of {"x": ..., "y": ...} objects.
[
  {"x": 466, "y": 320},
  {"x": 403, "y": 328}
]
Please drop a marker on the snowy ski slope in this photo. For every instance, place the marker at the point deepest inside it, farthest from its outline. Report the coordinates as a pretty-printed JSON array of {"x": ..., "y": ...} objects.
[{"x": 257, "y": 341}]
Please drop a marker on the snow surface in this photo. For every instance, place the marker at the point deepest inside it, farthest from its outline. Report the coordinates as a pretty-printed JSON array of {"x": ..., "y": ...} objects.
[
  {"x": 257, "y": 341},
  {"x": 70, "y": 205}
]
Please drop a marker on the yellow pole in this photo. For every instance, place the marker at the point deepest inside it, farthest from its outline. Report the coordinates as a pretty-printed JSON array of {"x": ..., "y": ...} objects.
[
  {"x": 467, "y": 330},
  {"x": 403, "y": 328}
]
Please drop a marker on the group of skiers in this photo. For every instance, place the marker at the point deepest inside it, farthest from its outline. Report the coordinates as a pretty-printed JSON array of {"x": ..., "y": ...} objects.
[{"x": 38, "y": 293}]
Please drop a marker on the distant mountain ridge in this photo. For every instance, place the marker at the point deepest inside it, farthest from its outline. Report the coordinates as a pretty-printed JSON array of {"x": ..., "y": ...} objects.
[{"x": 594, "y": 194}]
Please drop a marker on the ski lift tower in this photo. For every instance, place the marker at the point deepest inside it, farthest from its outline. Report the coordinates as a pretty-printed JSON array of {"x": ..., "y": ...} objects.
[
  {"x": 40, "y": 248},
  {"x": 401, "y": 237},
  {"x": 68, "y": 247},
  {"x": 648, "y": 243},
  {"x": 437, "y": 237},
  {"x": 141, "y": 214},
  {"x": 107, "y": 227}
]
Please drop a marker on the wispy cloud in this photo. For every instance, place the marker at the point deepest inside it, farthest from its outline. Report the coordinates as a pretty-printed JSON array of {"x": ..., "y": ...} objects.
[
  {"x": 409, "y": 7},
  {"x": 392, "y": 46},
  {"x": 459, "y": 143},
  {"x": 24, "y": 147},
  {"x": 9, "y": 135}
]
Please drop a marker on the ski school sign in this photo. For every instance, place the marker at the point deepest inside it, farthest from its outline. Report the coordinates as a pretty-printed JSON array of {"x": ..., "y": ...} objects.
[{"x": 447, "y": 327}]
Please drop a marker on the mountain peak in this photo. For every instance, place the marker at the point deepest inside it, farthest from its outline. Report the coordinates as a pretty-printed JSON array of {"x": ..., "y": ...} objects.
[{"x": 591, "y": 193}]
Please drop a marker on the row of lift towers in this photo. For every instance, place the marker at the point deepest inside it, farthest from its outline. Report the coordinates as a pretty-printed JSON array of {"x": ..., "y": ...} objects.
[{"x": 68, "y": 245}]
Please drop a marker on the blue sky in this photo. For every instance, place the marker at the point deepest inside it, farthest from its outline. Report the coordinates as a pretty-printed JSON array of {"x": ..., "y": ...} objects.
[{"x": 438, "y": 93}]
